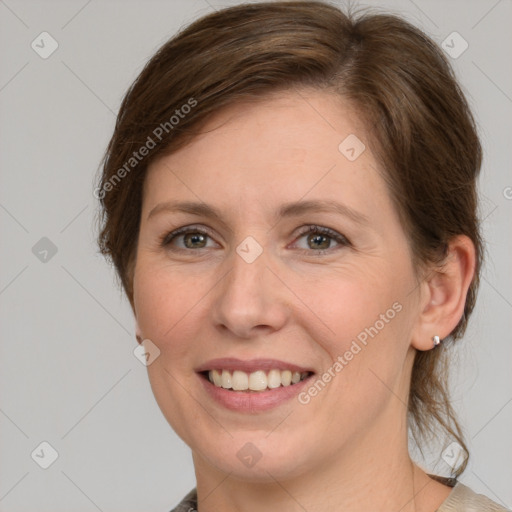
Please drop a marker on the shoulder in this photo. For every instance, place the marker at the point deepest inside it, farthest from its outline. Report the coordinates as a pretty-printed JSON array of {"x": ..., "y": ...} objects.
[
  {"x": 188, "y": 503},
  {"x": 463, "y": 499}
]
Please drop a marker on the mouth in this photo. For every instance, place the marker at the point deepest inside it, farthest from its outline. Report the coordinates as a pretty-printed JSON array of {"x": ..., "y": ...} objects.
[
  {"x": 252, "y": 386},
  {"x": 256, "y": 381}
]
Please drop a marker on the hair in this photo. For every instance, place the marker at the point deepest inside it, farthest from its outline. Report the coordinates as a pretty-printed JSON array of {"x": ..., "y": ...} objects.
[{"x": 419, "y": 124}]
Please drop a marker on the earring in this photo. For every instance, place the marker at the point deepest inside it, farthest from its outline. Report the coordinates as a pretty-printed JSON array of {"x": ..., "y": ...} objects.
[
  {"x": 437, "y": 341},
  {"x": 138, "y": 338}
]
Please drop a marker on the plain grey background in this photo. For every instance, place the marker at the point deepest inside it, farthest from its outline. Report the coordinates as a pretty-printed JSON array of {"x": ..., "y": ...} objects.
[{"x": 68, "y": 374}]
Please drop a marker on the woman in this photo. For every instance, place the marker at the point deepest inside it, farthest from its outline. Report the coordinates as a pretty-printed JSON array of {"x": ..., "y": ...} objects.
[{"x": 289, "y": 198}]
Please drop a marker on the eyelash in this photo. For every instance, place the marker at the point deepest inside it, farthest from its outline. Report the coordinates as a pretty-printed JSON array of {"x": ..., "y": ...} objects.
[{"x": 340, "y": 239}]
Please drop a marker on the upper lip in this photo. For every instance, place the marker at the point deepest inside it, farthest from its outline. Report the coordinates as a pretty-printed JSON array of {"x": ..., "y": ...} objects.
[{"x": 251, "y": 365}]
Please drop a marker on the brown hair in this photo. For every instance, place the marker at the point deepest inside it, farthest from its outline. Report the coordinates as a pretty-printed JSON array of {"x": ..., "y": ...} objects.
[{"x": 420, "y": 125}]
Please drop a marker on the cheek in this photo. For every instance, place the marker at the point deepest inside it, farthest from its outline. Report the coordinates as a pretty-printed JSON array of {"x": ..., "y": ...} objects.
[
  {"x": 163, "y": 300},
  {"x": 348, "y": 303},
  {"x": 367, "y": 322}
]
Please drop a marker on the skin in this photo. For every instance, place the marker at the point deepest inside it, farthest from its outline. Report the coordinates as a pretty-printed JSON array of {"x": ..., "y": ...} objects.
[{"x": 347, "y": 448}]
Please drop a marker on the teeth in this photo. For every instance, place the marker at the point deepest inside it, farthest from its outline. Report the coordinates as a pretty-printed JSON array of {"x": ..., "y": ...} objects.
[
  {"x": 255, "y": 381},
  {"x": 240, "y": 381},
  {"x": 286, "y": 378},
  {"x": 226, "y": 379},
  {"x": 274, "y": 379},
  {"x": 217, "y": 379}
]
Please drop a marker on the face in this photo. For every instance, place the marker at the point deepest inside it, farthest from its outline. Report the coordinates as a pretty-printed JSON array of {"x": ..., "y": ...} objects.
[{"x": 270, "y": 251}]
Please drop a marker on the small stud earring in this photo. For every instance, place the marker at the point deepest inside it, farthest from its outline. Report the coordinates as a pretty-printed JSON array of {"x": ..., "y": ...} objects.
[{"x": 437, "y": 341}]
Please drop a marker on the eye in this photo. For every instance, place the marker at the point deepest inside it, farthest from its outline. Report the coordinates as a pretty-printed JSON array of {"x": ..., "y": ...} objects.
[
  {"x": 320, "y": 239},
  {"x": 188, "y": 237}
]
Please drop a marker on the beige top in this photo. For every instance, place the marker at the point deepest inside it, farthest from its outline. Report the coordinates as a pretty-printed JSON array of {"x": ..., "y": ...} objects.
[{"x": 461, "y": 499}]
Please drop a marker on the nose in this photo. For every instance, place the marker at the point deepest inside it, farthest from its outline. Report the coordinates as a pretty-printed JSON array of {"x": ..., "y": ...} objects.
[{"x": 251, "y": 300}]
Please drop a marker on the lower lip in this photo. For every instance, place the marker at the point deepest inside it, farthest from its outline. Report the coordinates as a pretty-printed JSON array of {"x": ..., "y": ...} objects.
[{"x": 253, "y": 401}]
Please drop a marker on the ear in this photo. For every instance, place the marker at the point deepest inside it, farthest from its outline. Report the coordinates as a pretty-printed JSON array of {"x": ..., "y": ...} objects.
[{"x": 443, "y": 294}]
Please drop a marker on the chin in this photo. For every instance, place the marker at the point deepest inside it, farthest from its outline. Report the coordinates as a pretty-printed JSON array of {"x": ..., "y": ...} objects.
[{"x": 256, "y": 458}]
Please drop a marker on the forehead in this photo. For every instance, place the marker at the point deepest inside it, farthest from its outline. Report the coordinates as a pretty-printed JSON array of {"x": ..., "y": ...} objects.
[
  {"x": 277, "y": 149},
  {"x": 283, "y": 126}
]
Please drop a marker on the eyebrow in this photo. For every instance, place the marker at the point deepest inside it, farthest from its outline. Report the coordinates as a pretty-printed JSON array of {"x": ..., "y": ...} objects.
[
  {"x": 287, "y": 210},
  {"x": 325, "y": 206}
]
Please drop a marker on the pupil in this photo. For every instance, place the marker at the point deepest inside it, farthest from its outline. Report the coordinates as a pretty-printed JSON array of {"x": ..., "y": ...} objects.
[
  {"x": 192, "y": 239},
  {"x": 317, "y": 240}
]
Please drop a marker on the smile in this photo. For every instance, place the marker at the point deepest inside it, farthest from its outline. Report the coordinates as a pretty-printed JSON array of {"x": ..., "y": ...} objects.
[
  {"x": 252, "y": 386},
  {"x": 258, "y": 380}
]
